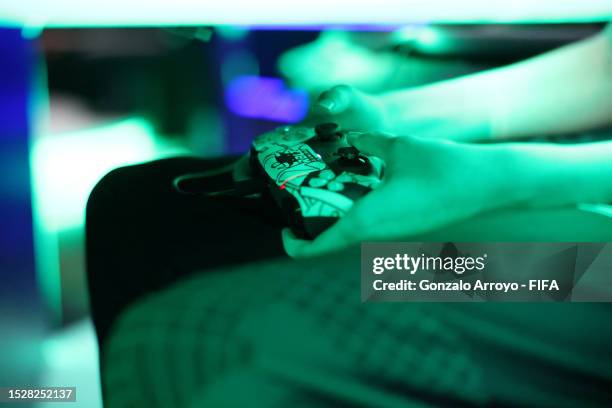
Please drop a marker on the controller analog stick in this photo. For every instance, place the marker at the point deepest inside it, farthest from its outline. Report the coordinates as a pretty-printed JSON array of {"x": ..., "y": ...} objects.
[{"x": 327, "y": 131}]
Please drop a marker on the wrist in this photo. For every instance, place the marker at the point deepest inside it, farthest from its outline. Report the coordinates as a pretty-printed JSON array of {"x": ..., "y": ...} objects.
[
  {"x": 554, "y": 175},
  {"x": 437, "y": 111},
  {"x": 496, "y": 182}
]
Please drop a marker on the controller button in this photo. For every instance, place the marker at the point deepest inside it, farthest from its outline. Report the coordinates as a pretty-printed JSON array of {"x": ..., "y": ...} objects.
[
  {"x": 327, "y": 131},
  {"x": 344, "y": 178},
  {"x": 327, "y": 175},
  {"x": 317, "y": 182},
  {"x": 348, "y": 153},
  {"x": 335, "y": 186}
]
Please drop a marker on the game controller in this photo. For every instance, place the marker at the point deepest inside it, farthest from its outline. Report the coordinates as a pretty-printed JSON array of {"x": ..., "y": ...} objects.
[{"x": 313, "y": 174}]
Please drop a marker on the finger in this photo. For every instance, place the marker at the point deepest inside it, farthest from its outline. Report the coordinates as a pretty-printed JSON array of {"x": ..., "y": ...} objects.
[
  {"x": 293, "y": 245},
  {"x": 335, "y": 101},
  {"x": 330, "y": 240},
  {"x": 373, "y": 143},
  {"x": 359, "y": 224}
]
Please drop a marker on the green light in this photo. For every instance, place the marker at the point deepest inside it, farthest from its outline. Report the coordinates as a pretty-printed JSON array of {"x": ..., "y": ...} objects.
[
  {"x": 67, "y": 167},
  {"x": 64, "y": 169},
  {"x": 602, "y": 209},
  {"x": 70, "y": 356},
  {"x": 426, "y": 36},
  {"x": 232, "y": 33},
  {"x": 31, "y": 32},
  {"x": 71, "y": 13}
]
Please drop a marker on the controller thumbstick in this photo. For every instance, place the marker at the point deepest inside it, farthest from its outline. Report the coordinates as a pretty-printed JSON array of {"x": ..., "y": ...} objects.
[{"x": 327, "y": 131}]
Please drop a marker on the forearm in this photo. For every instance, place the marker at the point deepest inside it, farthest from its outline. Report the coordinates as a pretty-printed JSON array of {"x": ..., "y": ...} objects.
[
  {"x": 561, "y": 91},
  {"x": 545, "y": 175}
]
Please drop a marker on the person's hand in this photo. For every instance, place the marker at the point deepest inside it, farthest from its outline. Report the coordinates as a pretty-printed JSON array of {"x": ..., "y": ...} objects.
[
  {"x": 337, "y": 57},
  {"x": 427, "y": 184},
  {"x": 350, "y": 108}
]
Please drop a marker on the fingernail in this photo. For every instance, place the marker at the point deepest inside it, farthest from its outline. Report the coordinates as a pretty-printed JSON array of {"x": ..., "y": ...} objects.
[{"x": 326, "y": 104}]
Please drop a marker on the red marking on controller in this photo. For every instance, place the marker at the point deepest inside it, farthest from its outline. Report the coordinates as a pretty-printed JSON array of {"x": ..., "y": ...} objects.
[{"x": 284, "y": 185}]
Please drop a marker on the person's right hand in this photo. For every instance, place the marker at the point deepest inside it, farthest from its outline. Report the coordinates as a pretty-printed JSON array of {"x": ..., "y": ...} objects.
[
  {"x": 350, "y": 108},
  {"x": 427, "y": 184}
]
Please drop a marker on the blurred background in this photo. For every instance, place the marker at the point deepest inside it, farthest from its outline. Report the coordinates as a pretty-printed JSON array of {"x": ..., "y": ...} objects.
[{"x": 76, "y": 103}]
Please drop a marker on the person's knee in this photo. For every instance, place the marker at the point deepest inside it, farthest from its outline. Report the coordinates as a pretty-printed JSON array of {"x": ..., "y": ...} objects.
[
  {"x": 116, "y": 188},
  {"x": 106, "y": 189}
]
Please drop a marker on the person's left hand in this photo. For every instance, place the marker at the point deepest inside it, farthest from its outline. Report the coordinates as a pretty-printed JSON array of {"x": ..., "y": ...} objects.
[
  {"x": 427, "y": 184},
  {"x": 349, "y": 108},
  {"x": 337, "y": 57}
]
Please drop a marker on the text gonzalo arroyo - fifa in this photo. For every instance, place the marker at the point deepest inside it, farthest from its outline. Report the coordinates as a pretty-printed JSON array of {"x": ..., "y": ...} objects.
[{"x": 458, "y": 265}]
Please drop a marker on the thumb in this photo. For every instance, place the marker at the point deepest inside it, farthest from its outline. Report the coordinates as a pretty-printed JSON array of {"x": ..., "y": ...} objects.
[
  {"x": 335, "y": 101},
  {"x": 373, "y": 143}
]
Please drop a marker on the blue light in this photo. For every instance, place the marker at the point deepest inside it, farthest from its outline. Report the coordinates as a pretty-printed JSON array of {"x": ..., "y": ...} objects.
[{"x": 265, "y": 98}]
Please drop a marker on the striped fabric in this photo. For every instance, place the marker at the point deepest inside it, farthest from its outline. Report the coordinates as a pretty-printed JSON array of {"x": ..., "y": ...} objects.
[{"x": 295, "y": 334}]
